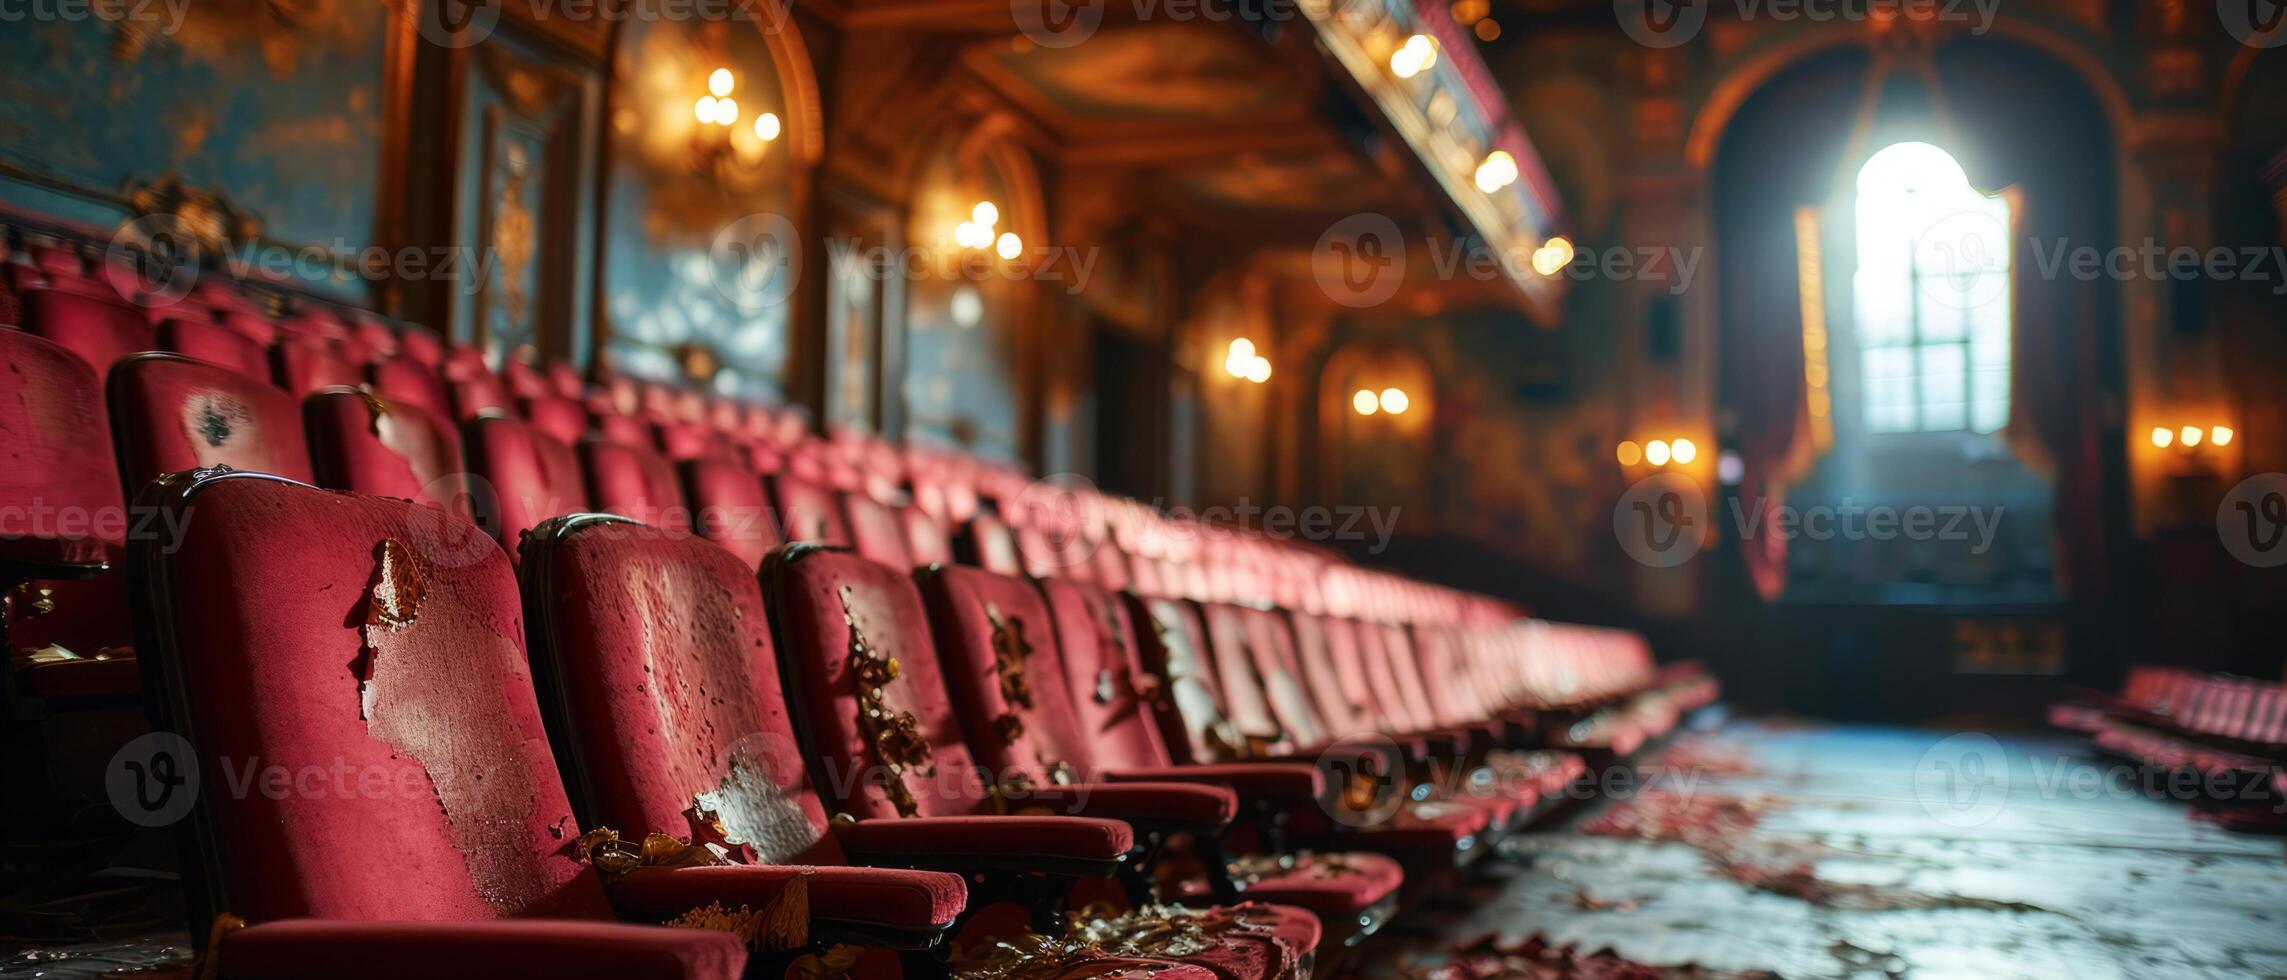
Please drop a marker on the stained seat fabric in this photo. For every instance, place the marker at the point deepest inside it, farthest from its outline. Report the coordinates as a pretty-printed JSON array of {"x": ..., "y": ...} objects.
[{"x": 171, "y": 413}]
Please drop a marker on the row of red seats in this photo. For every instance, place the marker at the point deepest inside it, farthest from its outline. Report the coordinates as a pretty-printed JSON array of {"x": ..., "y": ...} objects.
[
  {"x": 1446, "y": 699},
  {"x": 2178, "y": 718}
]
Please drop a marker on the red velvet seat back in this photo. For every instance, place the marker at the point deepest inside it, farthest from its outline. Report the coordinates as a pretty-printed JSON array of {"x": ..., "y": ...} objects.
[
  {"x": 403, "y": 379},
  {"x": 478, "y": 393},
  {"x": 995, "y": 545},
  {"x": 375, "y": 701},
  {"x": 671, "y": 703},
  {"x": 1386, "y": 650},
  {"x": 368, "y": 443},
  {"x": 1231, "y": 641},
  {"x": 634, "y": 483},
  {"x": 171, "y": 413},
  {"x": 519, "y": 476},
  {"x": 728, "y": 507},
  {"x": 302, "y": 365},
  {"x": 100, "y": 330},
  {"x": 877, "y": 531},
  {"x": 56, "y": 440},
  {"x": 1173, "y": 648},
  {"x": 1449, "y": 679},
  {"x": 563, "y": 418},
  {"x": 808, "y": 511},
  {"x": 1334, "y": 674},
  {"x": 1097, "y": 642},
  {"x": 842, "y": 620},
  {"x": 998, "y": 647},
  {"x": 215, "y": 344},
  {"x": 926, "y": 539},
  {"x": 1278, "y": 666}
]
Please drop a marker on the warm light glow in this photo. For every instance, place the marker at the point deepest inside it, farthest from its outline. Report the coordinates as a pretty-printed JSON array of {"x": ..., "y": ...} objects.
[
  {"x": 1364, "y": 402},
  {"x": 965, "y": 234},
  {"x": 1009, "y": 246},
  {"x": 1414, "y": 57},
  {"x": 1499, "y": 170},
  {"x": 2161, "y": 437},
  {"x": 719, "y": 84},
  {"x": 704, "y": 109},
  {"x": 766, "y": 126},
  {"x": 1553, "y": 255},
  {"x": 1656, "y": 452},
  {"x": 2189, "y": 435},
  {"x": 1259, "y": 370},
  {"x": 1240, "y": 357},
  {"x": 726, "y": 111},
  {"x": 1630, "y": 453},
  {"x": 985, "y": 213},
  {"x": 1395, "y": 402},
  {"x": 1683, "y": 452},
  {"x": 2219, "y": 435},
  {"x": 1488, "y": 30}
]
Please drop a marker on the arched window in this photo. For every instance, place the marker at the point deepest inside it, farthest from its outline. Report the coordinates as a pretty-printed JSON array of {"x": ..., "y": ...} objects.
[{"x": 1930, "y": 295}]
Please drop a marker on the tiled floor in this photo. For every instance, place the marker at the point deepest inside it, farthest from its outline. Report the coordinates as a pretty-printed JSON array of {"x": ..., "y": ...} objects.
[{"x": 1823, "y": 851}]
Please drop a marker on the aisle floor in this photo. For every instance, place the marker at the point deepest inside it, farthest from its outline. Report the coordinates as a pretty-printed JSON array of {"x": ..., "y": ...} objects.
[{"x": 1808, "y": 851}]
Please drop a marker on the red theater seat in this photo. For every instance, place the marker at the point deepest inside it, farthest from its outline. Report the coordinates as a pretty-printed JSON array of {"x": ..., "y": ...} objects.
[
  {"x": 412, "y": 382},
  {"x": 808, "y": 511},
  {"x": 100, "y": 330},
  {"x": 633, "y": 482},
  {"x": 302, "y": 365},
  {"x": 857, "y": 644},
  {"x": 216, "y": 344},
  {"x": 877, "y": 531},
  {"x": 170, "y": 413},
  {"x": 728, "y": 507},
  {"x": 307, "y": 630},
  {"x": 519, "y": 476},
  {"x": 372, "y": 444}
]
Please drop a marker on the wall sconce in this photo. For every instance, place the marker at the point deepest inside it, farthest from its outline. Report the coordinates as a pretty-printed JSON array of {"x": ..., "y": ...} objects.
[
  {"x": 1241, "y": 361},
  {"x": 1415, "y": 56},
  {"x": 1389, "y": 401},
  {"x": 980, "y": 231},
  {"x": 2187, "y": 439},
  {"x": 716, "y": 143},
  {"x": 1658, "y": 452}
]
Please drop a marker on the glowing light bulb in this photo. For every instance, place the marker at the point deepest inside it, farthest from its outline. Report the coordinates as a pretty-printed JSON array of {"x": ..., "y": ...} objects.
[
  {"x": 1395, "y": 402},
  {"x": 1682, "y": 451},
  {"x": 1259, "y": 370},
  {"x": 2161, "y": 437},
  {"x": 1656, "y": 452},
  {"x": 766, "y": 126},
  {"x": 1417, "y": 55},
  {"x": 2190, "y": 435},
  {"x": 1009, "y": 246},
  {"x": 1499, "y": 170},
  {"x": 2219, "y": 435},
  {"x": 1364, "y": 402},
  {"x": 965, "y": 234},
  {"x": 704, "y": 109},
  {"x": 719, "y": 83},
  {"x": 1242, "y": 349},
  {"x": 726, "y": 111},
  {"x": 1630, "y": 454},
  {"x": 985, "y": 214}
]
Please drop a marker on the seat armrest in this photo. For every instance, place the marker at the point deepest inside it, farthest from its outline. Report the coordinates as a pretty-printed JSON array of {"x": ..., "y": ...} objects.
[
  {"x": 892, "y": 906},
  {"x": 1082, "y": 847},
  {"x": 291, "y": 949},
  {"x": 1175, "y": 807},
  {"x": 1273, "y": 783}
]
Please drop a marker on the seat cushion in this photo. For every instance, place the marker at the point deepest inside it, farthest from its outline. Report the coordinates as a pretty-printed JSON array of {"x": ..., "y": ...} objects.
[
  {"x": 296, "y": 948},
  {"x": 878, "y": 896},
  {"x": 1333, "y": 885},
  {"x": 1014, "y": 836}
]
